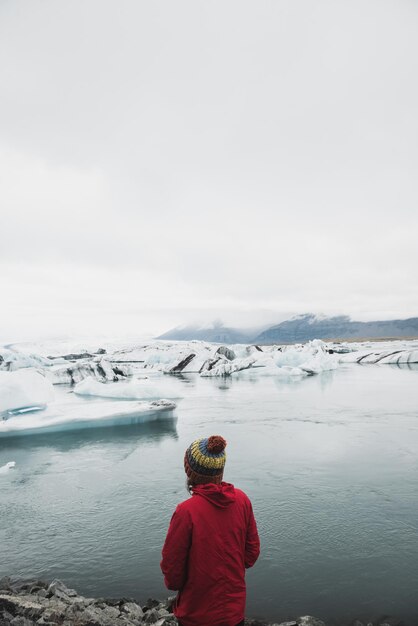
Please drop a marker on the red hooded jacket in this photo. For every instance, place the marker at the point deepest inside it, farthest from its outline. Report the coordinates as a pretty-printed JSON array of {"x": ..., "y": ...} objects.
[{"x": 212, "y": 538}]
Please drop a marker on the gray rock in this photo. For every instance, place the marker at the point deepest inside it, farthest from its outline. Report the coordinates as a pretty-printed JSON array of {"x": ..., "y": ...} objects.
[
  {"x": 21, "y": 605},
  {"x": 151, "y": 616},
  {"x": 308, "y": 620},
  {"x": 61, "y": 591},
  {"x": 5, "y": 583},
  {"x": 21, "y": 621},
  {"x": 5, "y": 617},
  {"x": 41, "y": 593},
  {"x": 111, "y": 612},
  {"x": 133, "y": 610}
]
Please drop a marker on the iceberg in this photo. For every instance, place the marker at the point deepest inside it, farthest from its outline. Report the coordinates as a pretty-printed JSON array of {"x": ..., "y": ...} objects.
[
  {"x": 5, "y": 468},
  {"x": 101, "y": 370},
  {"x": 131, "y": 390},
  {"x": 11, "y": 360},
  {"x": 401, "y": 356},
  {"x": 83, "y": 414},
  {"x": 24, "y": 390},
  {"x": 307, "y": 360}
]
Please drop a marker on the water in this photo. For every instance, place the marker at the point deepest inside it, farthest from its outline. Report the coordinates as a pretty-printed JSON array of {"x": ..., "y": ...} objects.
[{"x": 330, "y": 463}]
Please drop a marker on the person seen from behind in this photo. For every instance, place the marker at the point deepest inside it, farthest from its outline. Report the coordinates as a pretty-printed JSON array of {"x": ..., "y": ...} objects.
[{"x": 211, "y": 540}]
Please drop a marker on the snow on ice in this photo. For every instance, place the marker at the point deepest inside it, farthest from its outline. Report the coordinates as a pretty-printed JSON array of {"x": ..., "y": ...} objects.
[
  {"x": 127, "y": 382},
  {"x": 79, "y": 415},
  {"x": 24, "y": 389},
  {"x": 131, "y": 390}
]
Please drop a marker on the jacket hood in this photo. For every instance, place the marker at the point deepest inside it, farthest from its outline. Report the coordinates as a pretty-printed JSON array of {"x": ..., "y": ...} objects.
[{"x": 222, "y": 495}]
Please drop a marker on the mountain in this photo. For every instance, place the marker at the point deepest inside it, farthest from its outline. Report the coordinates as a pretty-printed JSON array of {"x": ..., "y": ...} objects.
[
  {"x": 305, "y": 327},
  {"x": 297, "y": 330},
  {"x": 217, "y": 333}
]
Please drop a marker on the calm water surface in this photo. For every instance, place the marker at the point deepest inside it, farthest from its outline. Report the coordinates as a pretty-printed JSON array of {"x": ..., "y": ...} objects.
[{"x": 330, "y": 463}]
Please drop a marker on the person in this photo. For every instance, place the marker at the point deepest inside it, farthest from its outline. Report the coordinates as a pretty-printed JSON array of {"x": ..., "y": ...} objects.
[{"x": 211, "y": 540}]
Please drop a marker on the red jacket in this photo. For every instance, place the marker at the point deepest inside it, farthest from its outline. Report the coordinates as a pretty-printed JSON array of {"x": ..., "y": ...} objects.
[{"x": 212, "y": 538}]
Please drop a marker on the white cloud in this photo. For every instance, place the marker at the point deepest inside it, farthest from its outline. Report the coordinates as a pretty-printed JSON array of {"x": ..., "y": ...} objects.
[{"x": 162, "y": 160}]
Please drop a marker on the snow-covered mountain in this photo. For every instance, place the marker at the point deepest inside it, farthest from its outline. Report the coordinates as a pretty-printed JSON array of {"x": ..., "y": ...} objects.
[
  {"x": 308, "y": 326},
  {"x": 297, "y": 329},
  {"x": 216, "y": 333}
]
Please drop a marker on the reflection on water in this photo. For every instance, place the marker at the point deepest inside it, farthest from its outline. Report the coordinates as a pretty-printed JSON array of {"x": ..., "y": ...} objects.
[
  {"x": 109, "y": 435},
  {"x": 330, "y": 463}
]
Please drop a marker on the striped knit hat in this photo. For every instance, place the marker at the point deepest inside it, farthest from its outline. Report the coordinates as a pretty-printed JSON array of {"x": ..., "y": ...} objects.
[{"x": 204, "y": 460}]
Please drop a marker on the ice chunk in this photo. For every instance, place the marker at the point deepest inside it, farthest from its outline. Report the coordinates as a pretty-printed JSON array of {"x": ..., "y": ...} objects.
[
  {"x": 101, "y": 370},
  {"x": 11, "y": 360},
  {"x": 83, "y": 414},
  {"x": 24, "y": 389},
  {"x": 302, "y": 360},
  {"x": 394, "y": 356},
  {"x": 132, "y": 390},
  {"x": 5, "y": 468}
]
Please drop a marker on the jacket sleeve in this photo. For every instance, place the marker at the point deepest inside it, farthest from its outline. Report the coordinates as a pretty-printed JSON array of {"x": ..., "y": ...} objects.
[
  {"x": 252, "y": 543},
  {"x": 176, "y": 550}
]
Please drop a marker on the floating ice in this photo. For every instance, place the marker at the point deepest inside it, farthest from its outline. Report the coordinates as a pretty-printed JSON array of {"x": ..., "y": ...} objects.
[
  {"x": 392, "y": 356},
  {"x": 5, "y": 468},
  {"x": 286, "y": 361},
  {"x": 132, "y": 390},
  {"x": 101, "y": 370},
  {"x": 11, "y": 360},
  {"x": 24, "y": 389},
  {"x": 83, "y": 414}
]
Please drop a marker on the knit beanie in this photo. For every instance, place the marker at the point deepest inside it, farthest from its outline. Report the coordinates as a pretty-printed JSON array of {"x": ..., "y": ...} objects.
[{"x": 204, "y": 460}]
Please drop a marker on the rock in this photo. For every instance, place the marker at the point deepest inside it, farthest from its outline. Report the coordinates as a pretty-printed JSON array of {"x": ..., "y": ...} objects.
[
  {"x": 5, "y": 618},
  {"x": 5, "y": 583},
  {"x": 133, "y": 610},
  {"x": 308, "y": 620},
  {"x": 111, "y": 612},
  {"x": 61, "y": 591},
  {"x": 21, "y": 605},
  {"x": 151, "y": 616},
  {"x": 389, "y": 620},
  {"x": 21, "y": 621}
]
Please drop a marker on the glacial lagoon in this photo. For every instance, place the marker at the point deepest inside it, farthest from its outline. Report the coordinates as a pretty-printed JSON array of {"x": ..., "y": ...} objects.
[{"x": 330, "y": 462}]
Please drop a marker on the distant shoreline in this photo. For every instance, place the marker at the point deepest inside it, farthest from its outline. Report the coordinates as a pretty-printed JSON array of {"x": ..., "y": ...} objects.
[{"x": 342, "y": 340}]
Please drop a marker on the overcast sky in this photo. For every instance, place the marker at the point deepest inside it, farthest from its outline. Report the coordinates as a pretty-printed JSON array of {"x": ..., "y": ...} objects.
[{"x": 164, "y": 161}]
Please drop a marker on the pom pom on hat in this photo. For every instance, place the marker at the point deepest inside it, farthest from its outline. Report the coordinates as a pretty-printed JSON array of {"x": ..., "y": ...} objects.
[{"x": 216, "y": 444}]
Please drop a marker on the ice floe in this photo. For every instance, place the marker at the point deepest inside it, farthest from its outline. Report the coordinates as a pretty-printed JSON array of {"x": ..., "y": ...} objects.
[
  {"x": 84, "y": 414},
  {"x": 11, "y": 360},
  {"x": 303, "y": 360},
  {"x": 391, "y": 356},
  {"x": 131, "y": 390},
  {"x": 101, "y": 370},
  {"x": 24, "y": 389},
  {"x": 5, "y": 468}
]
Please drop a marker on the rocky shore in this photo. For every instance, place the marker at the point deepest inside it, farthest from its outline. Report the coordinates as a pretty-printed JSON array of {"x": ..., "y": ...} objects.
[
  {"x": 30, "y": 602},
  {"x": 35, "y": 602}
]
